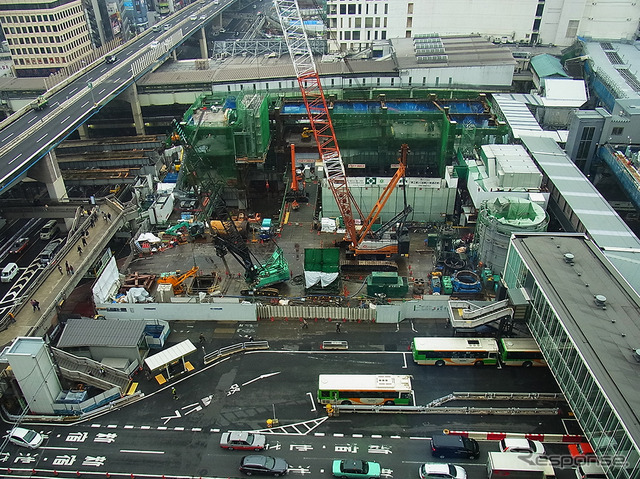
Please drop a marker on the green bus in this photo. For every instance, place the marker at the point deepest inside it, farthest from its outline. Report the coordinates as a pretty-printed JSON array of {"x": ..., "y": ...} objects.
[
  {"x": 440, "y": 351},
  {"x": 365, "y": 389},
  {"x": 520, "y": 352}
]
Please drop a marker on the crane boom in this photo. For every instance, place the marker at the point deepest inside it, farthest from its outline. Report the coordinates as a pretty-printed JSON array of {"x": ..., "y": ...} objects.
[{"x": 317, "y": 110}]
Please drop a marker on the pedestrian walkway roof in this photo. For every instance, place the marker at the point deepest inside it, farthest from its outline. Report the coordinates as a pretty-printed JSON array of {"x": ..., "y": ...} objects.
[{"x": 108, "y": 332}]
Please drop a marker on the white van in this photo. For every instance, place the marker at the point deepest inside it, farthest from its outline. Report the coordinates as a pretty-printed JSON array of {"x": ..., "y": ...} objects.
[
  {"x": 9, "y": 272},
  {"x": 49, "y": 230}
]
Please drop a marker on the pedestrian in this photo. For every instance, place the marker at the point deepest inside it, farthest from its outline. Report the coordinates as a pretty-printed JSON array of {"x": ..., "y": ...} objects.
[
  {"x": 80, "y": 250},
  {"x": 202, "y": 339},
  {"x": 250, "y": 338},
  {"x": 35, "y": 304},
  {"x": 108, "y": 216},
  {"x": 12, "y": 318},
  {"x": 174, "y": 393},
  {"x": 84, "y": 242},
  {"x": 102, "y": 371},
  {"x": 71, "y": 270},
  {"x": 337, "y": 327},
  {"x": 104, "y": 216},
  {"x": 60, "y": 269},
  {"x": 305, "y": 325}
]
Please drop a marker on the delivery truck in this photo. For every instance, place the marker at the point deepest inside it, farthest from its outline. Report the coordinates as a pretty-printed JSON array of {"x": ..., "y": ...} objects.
[{"x": 519, "y": 466}]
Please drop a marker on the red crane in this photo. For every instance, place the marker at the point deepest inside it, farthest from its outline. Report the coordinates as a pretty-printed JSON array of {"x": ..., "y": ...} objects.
[{"x": 322, "y": 127}]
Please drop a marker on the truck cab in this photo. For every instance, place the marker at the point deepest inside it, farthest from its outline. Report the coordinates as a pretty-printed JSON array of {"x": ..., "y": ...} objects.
[{"x": 39, "y": 103}]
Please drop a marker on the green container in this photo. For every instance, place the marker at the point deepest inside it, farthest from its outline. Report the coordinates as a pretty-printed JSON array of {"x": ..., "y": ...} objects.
[
  {"x": 384, "y": 277},
  {"x": 447, "y": 287},
  {"x": 397, "y": 290}
]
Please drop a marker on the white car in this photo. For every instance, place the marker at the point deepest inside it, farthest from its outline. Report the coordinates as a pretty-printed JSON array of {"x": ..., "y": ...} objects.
[
  {"x": 526, "y": 446},
  {"x": 436, "y": 470},
  {"x": 25, "y": 437},
  {"x": 153, "y": 44},
  {"x": 193, "y": 18},
  {"x": 203, "y": 17}
]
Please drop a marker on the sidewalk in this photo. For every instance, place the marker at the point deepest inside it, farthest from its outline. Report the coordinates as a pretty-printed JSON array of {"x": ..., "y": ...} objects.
[{"x": 54, "y": 288}]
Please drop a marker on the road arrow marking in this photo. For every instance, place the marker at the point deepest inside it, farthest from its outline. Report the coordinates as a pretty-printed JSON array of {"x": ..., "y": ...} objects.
[
  {"x": 169, "y": 418},
  {"x": 264, "y": 376}
]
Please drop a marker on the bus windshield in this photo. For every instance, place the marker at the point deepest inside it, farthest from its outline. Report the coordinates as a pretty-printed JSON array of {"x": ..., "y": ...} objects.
[{"x": 370, "y": 389}]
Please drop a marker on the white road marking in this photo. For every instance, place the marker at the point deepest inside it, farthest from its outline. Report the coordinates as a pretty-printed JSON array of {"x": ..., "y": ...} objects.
[
  {"x": 42, "y": 137},
  {"x": 63, "y": 121},
  {"x": 404, "y": 358},
  {"x": 8, "y": 136},
  {"x": 54, "y": 448},
  {"x": 356, "y": 435},
  {"x": 395, "y": 437},
  {"x": 129, "y": 426},
  {"x": 145, "y": 427},
  {"x": 32, "y": 119},
  {"x": 376, "y": 436},
  {"x": 95, "y": 425},
  {"x": 263, "y": 376},
  {"x": 112, "y": 426},
  {"x": 162, "y": 428},
  {"x": 337, "y": 434},
  {"x": 134, "y": 451},
  {"x": 16, "y": 157},
  {"x": 190, "y": 405},
  {"x": 84, "y": 104},
  {"x": 313, "y": 403}
]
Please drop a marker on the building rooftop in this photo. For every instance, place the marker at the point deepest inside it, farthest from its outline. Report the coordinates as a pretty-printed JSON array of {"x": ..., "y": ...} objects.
[
  {"x": 600, "y": 221},
  {"x": 615, "y": 64},
  {"x": 546, "y": 65},
  {"x": 606, "y": 338},
  {"x": 112, "y": 333}
]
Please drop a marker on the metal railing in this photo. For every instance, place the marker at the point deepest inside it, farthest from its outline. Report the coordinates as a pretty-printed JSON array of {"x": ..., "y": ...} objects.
[{"x": 235, "y": 348}]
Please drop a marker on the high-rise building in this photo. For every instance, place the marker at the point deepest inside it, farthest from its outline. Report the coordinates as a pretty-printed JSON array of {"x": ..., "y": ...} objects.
[
  {"x": 44, "y": 36},
  {"x": 355, "y": 24}
]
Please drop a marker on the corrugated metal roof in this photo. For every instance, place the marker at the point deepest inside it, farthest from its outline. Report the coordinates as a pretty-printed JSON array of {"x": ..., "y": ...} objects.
[
  {"x": 109, "y": 332},
  {"x": 546, "y": 65},
  {"x": 618, "y": 242},
  {"x": 516, "y": 114}
]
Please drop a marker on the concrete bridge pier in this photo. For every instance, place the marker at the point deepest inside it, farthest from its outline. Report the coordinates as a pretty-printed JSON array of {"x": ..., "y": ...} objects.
[
  {"x": 204, "y": 53},
  {"x": 131, "y": 95},
  {"x": 47, "y": 171},
  {"x": 83, "y": 131}
]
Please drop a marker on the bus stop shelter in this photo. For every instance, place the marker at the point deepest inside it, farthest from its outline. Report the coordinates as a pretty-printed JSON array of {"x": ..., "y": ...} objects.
[{"x": 165, "y": 364}]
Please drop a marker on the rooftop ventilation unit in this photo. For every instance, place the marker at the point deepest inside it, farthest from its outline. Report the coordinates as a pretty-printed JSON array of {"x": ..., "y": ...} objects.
[
  {"x": 432, "y": 59},
  {"x": 568, "y": 258},
  {"x": 601, "y": 301},
  {"x": 636, "y": 355}
]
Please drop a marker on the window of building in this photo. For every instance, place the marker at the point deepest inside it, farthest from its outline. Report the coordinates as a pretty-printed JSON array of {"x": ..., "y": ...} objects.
[
  {"x": 585, "y": 142},
  {"x": 377, "y": 22},
  {"x": 572, "y": 28},
  {"x": 437, "y": 81},
  {"x": 347, "y": 35},
  {"x": 407, "y": 34},
  {"x": 409, "y": 22},
  {"x": 355, "y": 35},
  {"x": 539, "y": 10},
  {"x": 410, "y": 81},
  {"x": 368, "y": 34},
  {"x": 358, "y": 22},
  {"x": 368, "y": 22},
  {"x": 383, "y": 35},
  {"x": 351, "y": 9},
  {"x": 343, "y": 9},
  {"x": 410, "y": 9},
  {"x": 393, "y": 81},
  {"x": 536, "y": 24},
  {"x": 617, "y": 131},
  {"x": 375, "y": 35},
  {"x": 359, "y": 9},
  {"x": 375, "y": 9}
]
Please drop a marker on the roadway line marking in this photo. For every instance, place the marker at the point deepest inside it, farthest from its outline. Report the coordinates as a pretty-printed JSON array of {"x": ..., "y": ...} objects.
[
  {"x": 179, "y": 428},
  {"x": 8, "y": 136},
  {"x": 196, "y": 429},
  {"x": 32, "y": 119},
  {"x": 16, "y": 157},
  {"x": 376, "y": 436},
  {"x": 263, "y": 376},
  {"x": 404, "y": 358},
  {"x": 162, "y": 428},
  {"x": 112, "y": 426},
  {"x": 129, "y": 426},
  {"x": 215, "y": 430},
  {"x": 65, "y": 119},
  {"x": 145, "y": 427},
  {"x": 319, "y": 434},
  {"x": 356, "y": 435},
  {"x": 395, "y": 437},
  {"x": 84, "y": 104},
  {"x": 190, "y": 405},
  {"x": 313, "y": 404},
  {"x": 95, "y": 425},
  {"x": 135, "y": 451},
  {"x": 337, "y": 434},
  {"x": 101, "y": 91},
  {"x": 55, "y": 448},
  {"x": 419, "y": 438},
  {"x": 42, "y": 137}
]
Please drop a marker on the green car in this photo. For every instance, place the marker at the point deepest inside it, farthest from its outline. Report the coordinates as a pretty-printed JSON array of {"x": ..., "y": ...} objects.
[{"x": 348, "y": 468}]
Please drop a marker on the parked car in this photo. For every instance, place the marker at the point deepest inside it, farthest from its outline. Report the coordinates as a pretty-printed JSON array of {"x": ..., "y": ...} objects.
[
  {"x": 25, "y": 437},
  {"x": 449, "y": 445},
  {"x": 436, "y": 470},
  {"x": 19, "y": 246},
  {"x": 355, "y": 469},
  {"x": 526, "y": 446},
  {"x": 242, "y": 440},
  {"x": 581, "y": 451},
  {"x": 257, "y": 464}
]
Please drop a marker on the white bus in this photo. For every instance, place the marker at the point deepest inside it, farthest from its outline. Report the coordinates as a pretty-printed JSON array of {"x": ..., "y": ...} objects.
[
  {"x": 520, "y": 352},
  {"x": 365, "y": 389},
  {"x": 455, "y": 351}
]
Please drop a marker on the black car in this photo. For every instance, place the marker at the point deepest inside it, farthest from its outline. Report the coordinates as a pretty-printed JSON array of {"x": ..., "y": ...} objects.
[
  {"x": 110, "y": 59},
  {"x": 449, "y": 445},
  {"x": 257, "y": 464}
]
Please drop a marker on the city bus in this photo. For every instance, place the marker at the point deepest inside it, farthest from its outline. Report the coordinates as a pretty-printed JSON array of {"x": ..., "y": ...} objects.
[
  {"x": 369, "y": 389},
  {"x": 455, "y": 351},
  {"x": 520, "y": 352}
]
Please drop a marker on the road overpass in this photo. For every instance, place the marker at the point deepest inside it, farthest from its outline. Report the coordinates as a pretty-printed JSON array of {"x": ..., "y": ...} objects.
[{"x": 29, "y": 136}]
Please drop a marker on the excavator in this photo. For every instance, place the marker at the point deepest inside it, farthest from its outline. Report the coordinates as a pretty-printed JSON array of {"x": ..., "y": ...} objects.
[
  {"x": 362, "y": 241},
  {"x": 177, "y": 280}
]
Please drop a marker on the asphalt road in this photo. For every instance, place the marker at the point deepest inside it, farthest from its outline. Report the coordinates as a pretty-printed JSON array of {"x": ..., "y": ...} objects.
[{"x": 180, "y": 437}]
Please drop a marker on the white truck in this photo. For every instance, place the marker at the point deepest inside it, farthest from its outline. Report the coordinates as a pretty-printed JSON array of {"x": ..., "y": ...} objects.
[{"x": 519, "y": 466}]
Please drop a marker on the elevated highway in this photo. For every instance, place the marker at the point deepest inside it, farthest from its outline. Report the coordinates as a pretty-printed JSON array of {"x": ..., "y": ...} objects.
[{"x": 29, "y": 135}]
